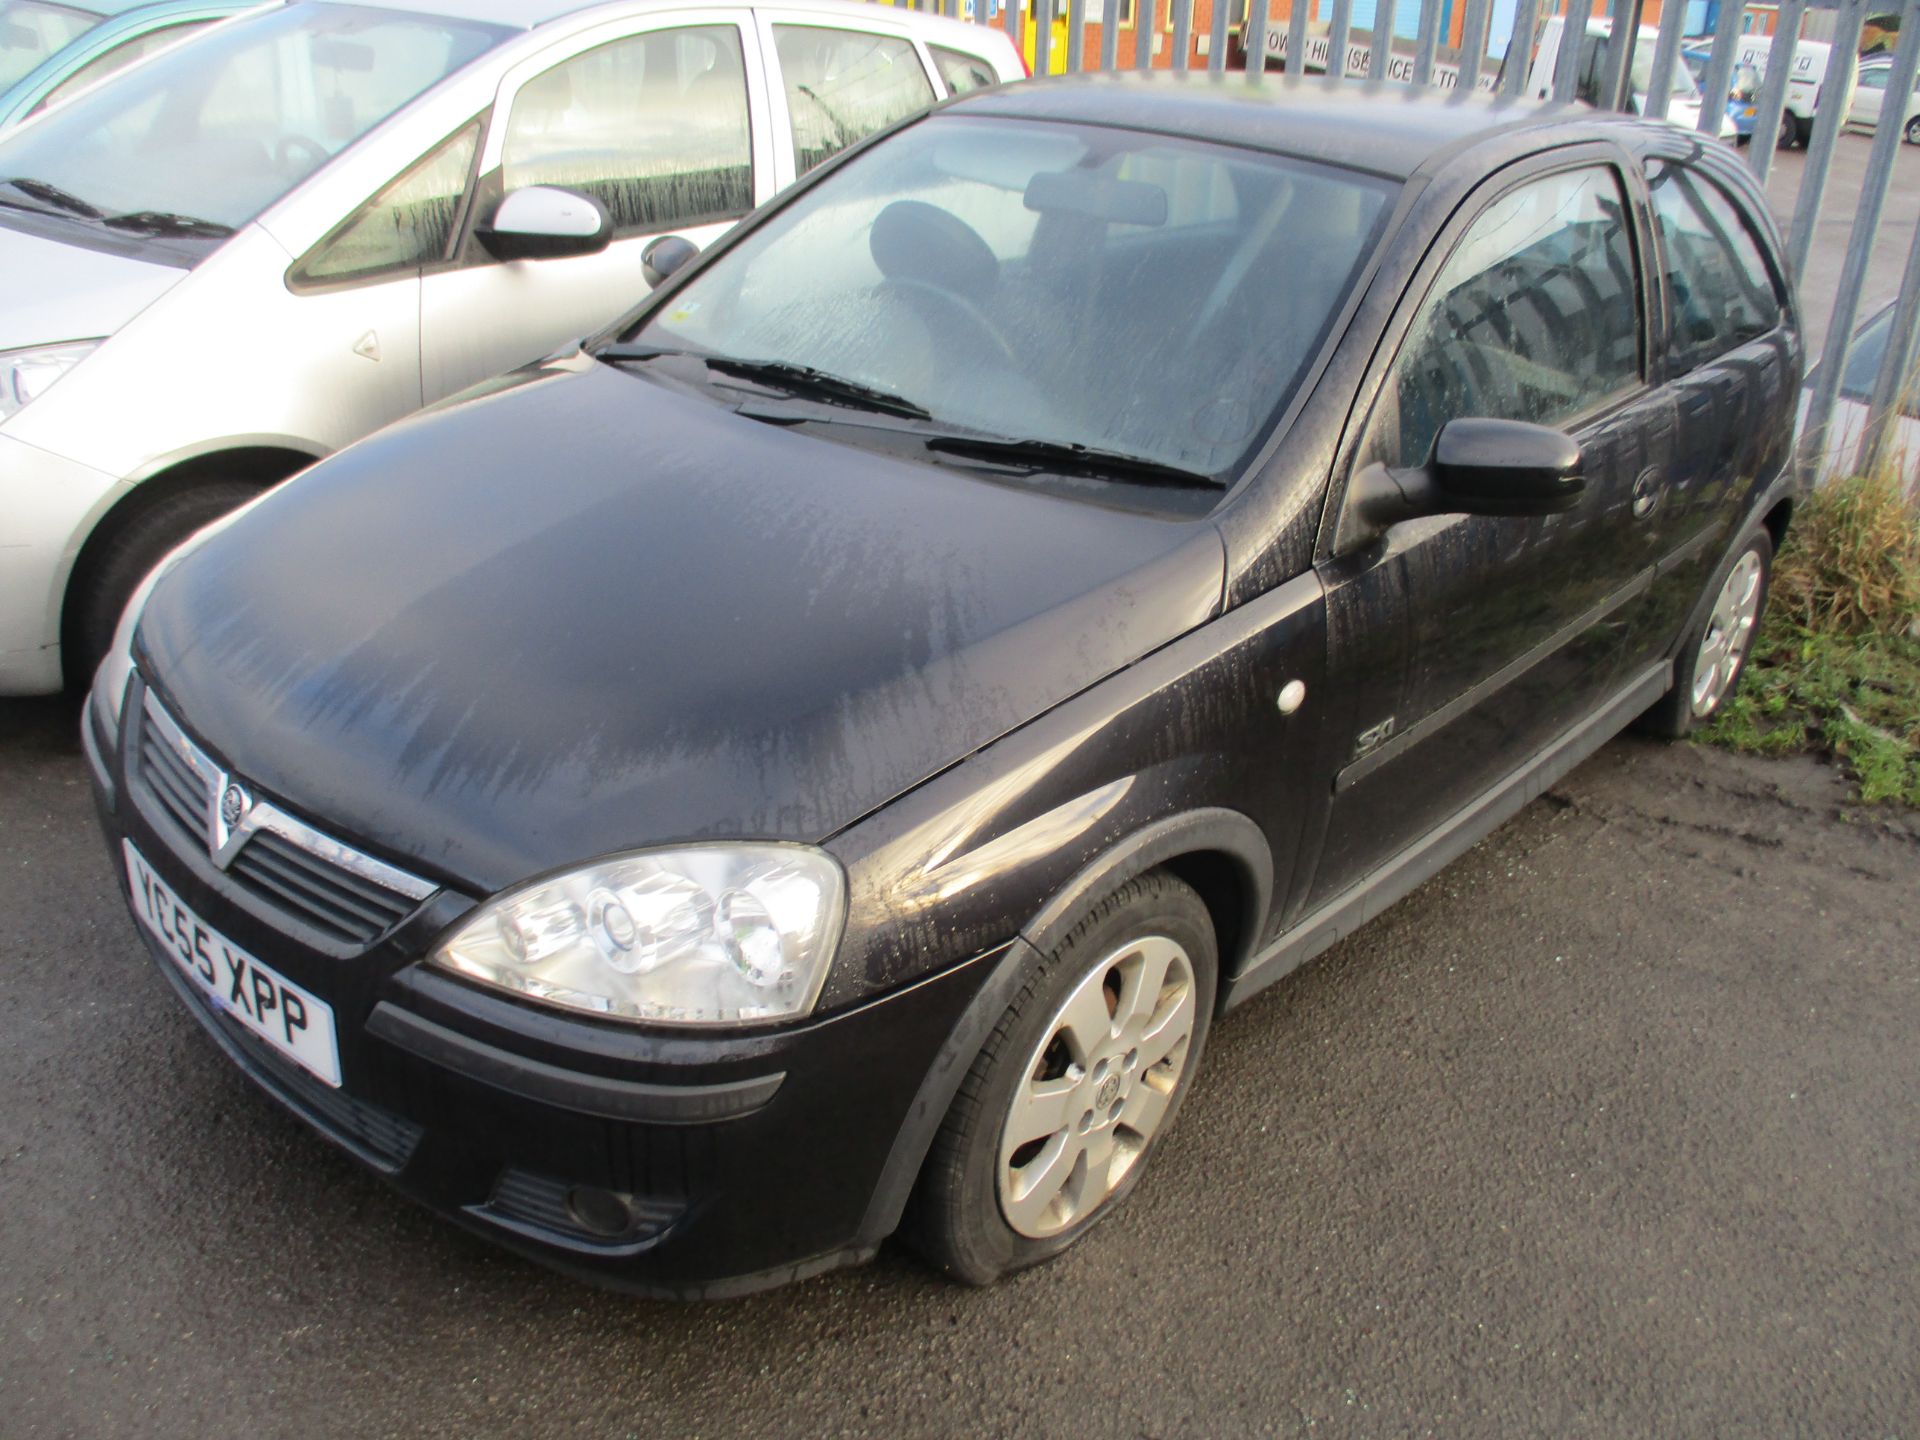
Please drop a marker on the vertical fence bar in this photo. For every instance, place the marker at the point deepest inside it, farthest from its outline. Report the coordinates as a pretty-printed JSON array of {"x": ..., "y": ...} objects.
[
  {"x": 1296, "y": 36},
  {"x": 1076, "y": 36},
  {"x": 1666, "y": 55},
  {"x": 1010, "y": 17},
  {"x": 1382, "y": 41},
  {"x": 1110, "y": 35},
  {"x": 1726, "y": 40},
  {"x": 1836, "y": 94},
  {"x": 1772, "y": 103},
  {"x": 1341, "y": 26},
  {"x": 1866, "y": 223},
  {"x": 1526, "y": 21},
  {"x": 1473, "y": 43},
  {"x": 1146, "y": 23},
  {"x": 1182, "y": 33},
  {"x": 1427, "y": 43},
  {"x": 1896, "y": 366},
  {"x": 1042, "y": 37},
  {"x": 1254, "y": 38},
  {"x": 1566, "y": 65},
  {"x": 1621, "y": 43},
  {"x": 1217, "y": 39}
]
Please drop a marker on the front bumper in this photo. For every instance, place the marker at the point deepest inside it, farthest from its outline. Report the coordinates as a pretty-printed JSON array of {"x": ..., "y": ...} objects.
[{"x": 689, "y": 1165}]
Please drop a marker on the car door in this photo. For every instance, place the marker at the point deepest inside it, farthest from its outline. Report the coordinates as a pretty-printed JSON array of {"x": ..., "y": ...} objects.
[
  {"x": 1869, "y": 92},
  {"x": 1462, "y": 646},
  {"x": 1731, "y": 363},
  {"x": 663, "y": 121},
  {"x": 836, "y": 80}
]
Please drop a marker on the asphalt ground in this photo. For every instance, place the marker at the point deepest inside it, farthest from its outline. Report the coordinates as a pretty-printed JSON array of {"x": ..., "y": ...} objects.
[{"x": 1612, "y": 1129}]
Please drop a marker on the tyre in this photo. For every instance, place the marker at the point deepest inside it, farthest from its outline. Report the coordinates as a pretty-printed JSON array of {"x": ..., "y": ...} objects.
[
  {"x": 1913, "y": 131},
  {"x": 1789, "y": 130},
  {"x": 1054, "y": 1123},
  {"x": 111, "y": 575},
  {"x": 1714, "y": 654}
]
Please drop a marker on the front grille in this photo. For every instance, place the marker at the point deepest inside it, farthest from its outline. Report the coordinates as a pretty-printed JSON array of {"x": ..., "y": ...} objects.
[
  {"x": 170, "y": 778},
  {"x": 343, "y": 894}
]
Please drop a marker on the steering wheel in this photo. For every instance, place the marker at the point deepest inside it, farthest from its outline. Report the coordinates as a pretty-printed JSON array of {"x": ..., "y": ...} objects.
[
  {"x": 969, "y": 312},
  {"x": 292, "y": 149}
]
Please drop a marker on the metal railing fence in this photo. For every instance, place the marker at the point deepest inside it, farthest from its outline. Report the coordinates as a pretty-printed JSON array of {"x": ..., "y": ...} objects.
[{"x": 1318, "y": 37}]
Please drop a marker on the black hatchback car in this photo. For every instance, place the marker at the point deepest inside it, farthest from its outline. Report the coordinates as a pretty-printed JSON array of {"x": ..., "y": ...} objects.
[{"x": 822, "y": 755}]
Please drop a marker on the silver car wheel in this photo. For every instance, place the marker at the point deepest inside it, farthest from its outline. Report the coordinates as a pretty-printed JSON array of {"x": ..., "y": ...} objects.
[
  {"x": 1097, "y": 1086},
  {"x": 1735, "y": 612}
]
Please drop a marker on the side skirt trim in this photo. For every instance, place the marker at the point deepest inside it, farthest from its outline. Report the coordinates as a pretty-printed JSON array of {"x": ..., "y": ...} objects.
[{"x": 1440, "y": 847}]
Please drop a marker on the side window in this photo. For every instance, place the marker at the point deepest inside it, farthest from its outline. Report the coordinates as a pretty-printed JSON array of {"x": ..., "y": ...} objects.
[
  {"x": 116, "y": 59},
  {"x": 1535, "y": 317},
  {"x": 407, "y": 225},
  {"x": 1874, "y": 79},
  {"x": 961, "y": 71},
  {"x": 653, "y": 127},
  {"x": 842, "y": 85},
  {"x": 1719, "y": 292}
]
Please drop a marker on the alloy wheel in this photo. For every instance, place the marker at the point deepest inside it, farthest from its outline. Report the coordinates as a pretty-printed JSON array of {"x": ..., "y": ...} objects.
[
  {"x": 1729, "y": 630},
  {"x": 1097, "y": 1087}
]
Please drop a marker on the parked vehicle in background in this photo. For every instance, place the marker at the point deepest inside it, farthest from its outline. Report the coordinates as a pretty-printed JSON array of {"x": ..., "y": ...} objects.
[
  {"x": 31, "y": 30},
  {"x": 311, "y": 221},
  {"x": 838, "y": 740},
  {"x": 1842, "y": 451},
  {"x": 108, "y": 48},
  {"x": 1803, "y": 82},
  {"x": 1869, "y": 106},
  {"x": 1743, "y": 91},
  {"x": 1684, "y": 99}
]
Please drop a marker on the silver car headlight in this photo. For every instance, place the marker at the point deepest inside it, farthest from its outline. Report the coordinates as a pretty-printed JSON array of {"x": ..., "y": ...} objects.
[
  {"x": 25, "y": 375},
  {"x": 705, "y": 935}
]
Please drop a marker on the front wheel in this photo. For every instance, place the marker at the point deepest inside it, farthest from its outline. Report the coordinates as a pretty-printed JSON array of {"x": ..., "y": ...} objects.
[
  {"x": 1913, "y": 131},
  {"x": 1789, "y": 130},
  {"x": 1053, "y": 1124},
  {"x": 1714, "y": 655}
]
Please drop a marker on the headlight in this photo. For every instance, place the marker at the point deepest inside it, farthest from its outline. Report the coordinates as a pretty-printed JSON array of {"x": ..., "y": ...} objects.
[
  {"x": 711, "y": 935},
  {"x": 25, "y": 375}
]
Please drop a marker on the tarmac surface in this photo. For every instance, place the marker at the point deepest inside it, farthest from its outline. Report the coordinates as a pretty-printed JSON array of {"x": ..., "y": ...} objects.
[{"x": 1612, "y": 1129}]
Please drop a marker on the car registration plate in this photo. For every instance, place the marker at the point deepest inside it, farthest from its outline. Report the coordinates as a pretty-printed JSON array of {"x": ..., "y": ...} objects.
[{"x": 295, "y": 1023}]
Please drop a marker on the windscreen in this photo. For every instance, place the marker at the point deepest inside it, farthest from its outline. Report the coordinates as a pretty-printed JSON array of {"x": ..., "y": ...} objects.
[
  {"x": 1069, "y": 284},
  {"x": 218, "y": 129},
  {"x": 31, "y": 30}
]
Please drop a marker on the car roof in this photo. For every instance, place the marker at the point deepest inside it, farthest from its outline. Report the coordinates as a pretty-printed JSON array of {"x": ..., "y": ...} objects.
[
  {"x": 528, "y": 14},
  {"x": 1376, "y": 126}
]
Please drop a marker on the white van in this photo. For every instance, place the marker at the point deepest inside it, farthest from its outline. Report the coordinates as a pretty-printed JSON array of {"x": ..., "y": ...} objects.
[
  {"x": 1803, "y": 84},
  {"x": 1683, "y": 103}
]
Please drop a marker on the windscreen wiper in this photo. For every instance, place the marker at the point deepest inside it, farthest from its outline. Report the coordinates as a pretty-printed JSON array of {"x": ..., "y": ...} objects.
[
  {"x": 1064, "y": 456},
  {"x": 805, "y": 380},
  {"x": 162, "y": 222},
  {"x": 52, "y": 195}
]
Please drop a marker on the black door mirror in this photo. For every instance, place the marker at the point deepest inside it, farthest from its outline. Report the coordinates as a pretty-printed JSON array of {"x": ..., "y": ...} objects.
[
  {"x": 1478, "y": 467},
  {"x": 664, "y": 256},
  {"x": 544, "y": 222}
]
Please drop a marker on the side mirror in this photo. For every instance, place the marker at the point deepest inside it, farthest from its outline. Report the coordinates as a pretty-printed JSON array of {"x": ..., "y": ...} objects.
[
  {"x": 664, "y": 256},
  {"x": 544, "y": 222},
  {"x": 1478, "y": 467}
]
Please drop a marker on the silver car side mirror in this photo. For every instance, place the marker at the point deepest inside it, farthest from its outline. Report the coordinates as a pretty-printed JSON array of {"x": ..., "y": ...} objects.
[{"x": 544, "y": 222}]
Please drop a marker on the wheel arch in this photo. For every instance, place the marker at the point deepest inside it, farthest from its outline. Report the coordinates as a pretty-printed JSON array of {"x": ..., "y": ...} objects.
[
  {"x": 261, "y": 464},
  {"x": 1221, "y": 853}
]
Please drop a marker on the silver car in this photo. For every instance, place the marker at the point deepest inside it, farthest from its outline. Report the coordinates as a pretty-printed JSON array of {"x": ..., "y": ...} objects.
[{"x": 260, "y": 245}]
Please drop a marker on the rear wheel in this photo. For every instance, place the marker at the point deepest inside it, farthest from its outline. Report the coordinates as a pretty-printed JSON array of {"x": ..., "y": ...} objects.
[
  {"x": 1913, "y": 131},
  {"x": 1054, "y": 1123},
  {"x": 1789, "y": 130},
  {"x": 1714, "y": 656},
  {"x": 111, "y": 574}
]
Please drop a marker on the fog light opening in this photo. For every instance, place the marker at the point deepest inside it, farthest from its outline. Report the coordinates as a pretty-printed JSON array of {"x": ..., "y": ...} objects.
[{"x": 600, "y": 1211}]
